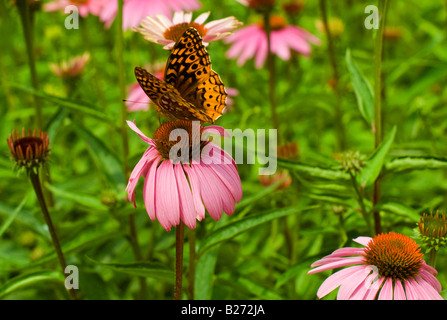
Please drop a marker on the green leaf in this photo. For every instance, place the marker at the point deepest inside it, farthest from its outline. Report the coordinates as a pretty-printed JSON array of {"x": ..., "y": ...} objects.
[
  {"x": 13, "y": 215},
  {"x": 84, "y": 108},
  {"x": 204, "y": 279},
  {"x": 27, "y": 280},
  {"x": 259, "y": 195},
  {"x": 84, "y": 241},
  {"x": 363, "y": 90},
  {"x": 26, "y": 218},
  {"x": 313, "y": 171},
  {"x": 374, "y": 165},
  {"x": 415, "y": 163},
  {"x": 105, "y": 160},
  {"x": 143, "y": 269},
  {"x": 233, "y": 229},
  {"x": 399, "y": 209},
  {"x": 86, "y": 200}
]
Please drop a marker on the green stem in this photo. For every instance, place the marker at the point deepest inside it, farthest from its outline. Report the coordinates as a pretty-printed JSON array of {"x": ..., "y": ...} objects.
[
  {"x": 122, "y": 84},
  {"x": 341, "y": 137},
  {"x": 34, "y": 176},
  {"x": 378, "y": 55},
  {"x": 179, "y": 239},
  {"x": 122, "y": 89},
  {"x": 432, "y": 258},
  {"x": 192, "y": 262},
  {"x": 27, "y": 24},
  {"x": 362, "y": 204},
  {"x": 271, "y": 72}
]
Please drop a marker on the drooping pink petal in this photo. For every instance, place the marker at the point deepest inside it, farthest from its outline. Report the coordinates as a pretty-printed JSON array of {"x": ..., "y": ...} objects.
[
  {"x": 149, "y": 194},
  {"x": 140, "y": 170},
  {"x": 195, "y": 189},
  {"x": 342, "y": 252},
  {"x": 352, "y": 282},
  {"x": 229, "y": 180},
  {"x": 424, "y": 290},
  {"x": 342, "y": 262},
  {"x": 431, "y": 279},
  {"x": 410, "y": 291},
  {"x": 399, "y": 293},
  {"x": 333, "y": 282},
  {"x": 187, "y": 210},
  {"x": 387, "y": 290},
  {"x": 362, "y": 290},
  {"x": 167, "y": 198},
  {"x": 227, "y": 198},
  {"x": 279, "y": 43},
  {"x": 210, "y": 194},
  {"x": 375, "y": 286}
]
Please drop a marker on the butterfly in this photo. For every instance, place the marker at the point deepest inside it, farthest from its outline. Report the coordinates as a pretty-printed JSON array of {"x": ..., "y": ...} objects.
[{"x": 191, "y": 90}]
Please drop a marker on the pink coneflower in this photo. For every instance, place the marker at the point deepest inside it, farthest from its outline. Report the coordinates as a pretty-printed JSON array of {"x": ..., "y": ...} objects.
[
  {"x": 70, "y": 68},
  {"x": 180, "y": 191},
  {"x": 136, "y": 10},
  {"x": 251, "y": 41},
  {"x": 165, "y": 31},
  {"x": 84, "y": 6},
  {"x": 389, "y": 267}
]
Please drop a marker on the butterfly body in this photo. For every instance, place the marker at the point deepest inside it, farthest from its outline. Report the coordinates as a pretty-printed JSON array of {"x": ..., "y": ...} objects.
[{"x": 191, "y": 90}]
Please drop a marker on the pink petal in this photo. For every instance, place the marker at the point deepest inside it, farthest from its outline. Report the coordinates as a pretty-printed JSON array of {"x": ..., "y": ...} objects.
[
  {"x": 202, "y": 18},
  {"x": 262, "y": 51},
  {"x": 141, "y": 134},
  {"x": 342, "y": 262},
  {"x": 431, "y": 279},
  {"x": 167, "y": 198},
  {"x": 149, "y": 192},
  {"x": 375, "y": 286},
  {"x": 352, "y": 282},
  {"x": 210, "y": 194},
  {"x": 387, "y": 290},
  {"x": 363, "y": 240},
  {"x": 363, "y": 290},
  {"x": 333, "y": 282},
  {"x": 342, "y": 252},
  {"x": 195, "y": 189},
  {"x": 139, "y": 170},
  {"x": 187, "y": 211},
  {"x": 399, "y": 293}
]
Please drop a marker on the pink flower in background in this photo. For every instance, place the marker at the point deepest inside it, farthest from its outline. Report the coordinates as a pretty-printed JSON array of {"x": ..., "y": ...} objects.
[
  {"x": 84, "y": 6},
  {"x": 175, "y": 192},
  {"x": 136, "y": 10},
  {"x": 165, "y": 31},
  {"x": 251, "y": 42},
  {"x": 70, "y": 68},
  {"x": 389, "y": 267}
]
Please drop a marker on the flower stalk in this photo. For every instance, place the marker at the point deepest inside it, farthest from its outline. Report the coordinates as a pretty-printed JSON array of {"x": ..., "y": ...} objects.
[
  {"x": 378, "y": 56},
  {"x": 27, "y": 20},
  {"x": 341, "y": 138},
  {"x": 34, "y": 176},
  {"x": 133, "y": 234},
  {"x": 192, "y": 262},
  {"x": 271, "y": 72},
  {"x": 179, "y": 240}
]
